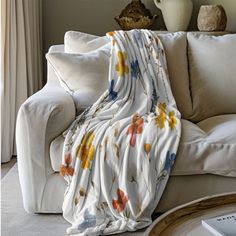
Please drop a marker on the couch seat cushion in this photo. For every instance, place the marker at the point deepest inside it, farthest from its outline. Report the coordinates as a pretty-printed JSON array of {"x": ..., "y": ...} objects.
[{"x": 206, "y": 147}]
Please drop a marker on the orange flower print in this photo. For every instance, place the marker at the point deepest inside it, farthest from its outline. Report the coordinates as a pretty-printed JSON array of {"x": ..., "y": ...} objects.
[
  {"x": 135, "y": 128},
  {"x": 172, "y": 119},
  {"x": 161, "y": 118},
  {"x": 67, "y": 169},
  {"x": 121, "y": 67},
  {"x": 120, "y": 203},
  {"x": 112, "y": 33},
  {"x": 86, "y": 150}
]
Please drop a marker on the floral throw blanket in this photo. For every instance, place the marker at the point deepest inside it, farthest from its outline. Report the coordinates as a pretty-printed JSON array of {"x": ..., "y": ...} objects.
[{"x": 119, "y": 152}]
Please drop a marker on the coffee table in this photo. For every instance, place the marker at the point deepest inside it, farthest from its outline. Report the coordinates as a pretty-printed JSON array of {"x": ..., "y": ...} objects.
[{"x": 185, "y": 220}]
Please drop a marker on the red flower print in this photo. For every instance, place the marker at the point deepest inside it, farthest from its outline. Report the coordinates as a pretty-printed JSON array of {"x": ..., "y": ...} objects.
[
  {"x": 67, "y": 169},
  {"x": 135, "y": 128},
  {"x": 120, "y": 203}
]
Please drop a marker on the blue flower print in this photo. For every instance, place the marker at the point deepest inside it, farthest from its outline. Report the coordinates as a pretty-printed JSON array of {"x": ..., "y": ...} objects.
[
  {"x": 170, "y": 159},
  {"x": 112, "y": 93},
  {"x": 89, "y": 221},
  {"x": 135, "y": 71},
  {"x": 154, "y": 99},
  {"x": 138, "y": 38}
]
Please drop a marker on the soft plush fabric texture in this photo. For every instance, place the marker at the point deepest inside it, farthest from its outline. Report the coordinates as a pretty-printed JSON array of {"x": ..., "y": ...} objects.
[
  {"x": 56, "y": 148},
  {"x": 51, "y": 74},
  {"x": 84, "y": 76},
  {"x": 212, "y": 74},
  {"x": 41, "y": 118},
  {"x": 79, "y": 42},
  {"x": 175, "y": 45},
  {"x": 15, "y": 221},
  {"x": 177, "y": 186},
  {"x": 206, "y": 147},
  {"x": 54, "y": 110},
  {"x": 125, "y": 144}
]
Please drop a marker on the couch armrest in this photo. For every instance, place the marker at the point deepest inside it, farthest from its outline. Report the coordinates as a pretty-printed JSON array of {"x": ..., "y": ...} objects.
[{"x": 41, "y": 118}]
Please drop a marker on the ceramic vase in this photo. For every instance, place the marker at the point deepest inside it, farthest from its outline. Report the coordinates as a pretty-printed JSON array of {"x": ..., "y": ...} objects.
[{"x": 176, "y": 13}]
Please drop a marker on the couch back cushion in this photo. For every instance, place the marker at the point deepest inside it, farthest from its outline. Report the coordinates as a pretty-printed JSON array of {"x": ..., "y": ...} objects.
[
  {"x": 175, "y": 45},
  {"x": 79, "y": 42},
  {"x": 212, "y": 68},
  {"x": 84, "y": 75}
]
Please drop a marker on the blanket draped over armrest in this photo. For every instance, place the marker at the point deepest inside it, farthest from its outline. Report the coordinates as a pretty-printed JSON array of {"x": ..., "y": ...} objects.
[{"x": 119, "y": 152}]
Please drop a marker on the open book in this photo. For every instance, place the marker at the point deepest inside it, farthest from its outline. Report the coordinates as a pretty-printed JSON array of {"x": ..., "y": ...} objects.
[{"x": 222, "y": 225}]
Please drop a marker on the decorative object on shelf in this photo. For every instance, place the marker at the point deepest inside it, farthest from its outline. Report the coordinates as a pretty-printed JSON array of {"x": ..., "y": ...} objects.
[
  {"x": 176, "y": 13},
  {"x": 135, "y": 16},
  {"x": 211, "y": 18}
]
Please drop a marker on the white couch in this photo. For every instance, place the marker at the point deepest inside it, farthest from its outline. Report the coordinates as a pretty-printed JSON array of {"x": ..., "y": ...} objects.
[{"x": 203, "y": 79}]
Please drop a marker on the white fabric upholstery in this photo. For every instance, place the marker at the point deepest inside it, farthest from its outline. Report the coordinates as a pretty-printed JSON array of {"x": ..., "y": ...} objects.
[
  {"x": 179, "y": 190},
  {"x": 84, "y": 76},
  {"x": 56, "y": 149},
  {"x": 79, "y": 42},
  {"x": 206, "y": 147},
  {"x": 40, "y": 119},
  {"x": 212, "y": 74},
  {"x": 51, "y": 75},
  {"x": 183, "y": 189},
  {"x": 175, "y": 45}
]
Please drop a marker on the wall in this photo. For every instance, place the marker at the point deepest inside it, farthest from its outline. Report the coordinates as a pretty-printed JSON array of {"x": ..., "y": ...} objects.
[
  {"x": 97, "y": 16},
  {"x": 91, "y": 16}
]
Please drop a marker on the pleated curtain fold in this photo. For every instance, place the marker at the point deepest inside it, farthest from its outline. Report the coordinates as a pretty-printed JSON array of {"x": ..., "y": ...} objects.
[{"x": 21, "y": 63}]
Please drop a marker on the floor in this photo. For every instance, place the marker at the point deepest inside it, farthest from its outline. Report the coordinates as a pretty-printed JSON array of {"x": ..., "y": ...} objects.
[
  {"x": 7, "y": 166},
  {"x": 16, "y": 222}
]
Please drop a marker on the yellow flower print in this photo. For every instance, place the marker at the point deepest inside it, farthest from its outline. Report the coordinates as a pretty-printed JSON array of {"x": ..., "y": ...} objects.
[
  {"x": 86, "y": 150},
  {"x": 161, "y": 107},
  {"x": 172, "y": 119},
  {"x": 147, "y": 148},
  {"x": 121, "y": 67},
  {"x": 161, "y": 118}
]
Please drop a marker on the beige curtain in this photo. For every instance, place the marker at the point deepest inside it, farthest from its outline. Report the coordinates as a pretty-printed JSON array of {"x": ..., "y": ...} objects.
[{"x": 21, "y": 63}]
